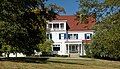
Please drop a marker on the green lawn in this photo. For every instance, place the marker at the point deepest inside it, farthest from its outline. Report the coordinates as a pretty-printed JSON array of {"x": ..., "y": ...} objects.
[{"x": 62, "y": 64}]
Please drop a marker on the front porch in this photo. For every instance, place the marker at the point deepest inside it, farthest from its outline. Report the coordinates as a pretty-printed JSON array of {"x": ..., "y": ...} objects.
[{"x": 75, "y": 49}]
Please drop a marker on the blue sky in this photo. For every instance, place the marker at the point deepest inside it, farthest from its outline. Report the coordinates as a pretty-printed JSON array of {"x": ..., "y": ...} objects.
[{"x": 70, "y": 6}]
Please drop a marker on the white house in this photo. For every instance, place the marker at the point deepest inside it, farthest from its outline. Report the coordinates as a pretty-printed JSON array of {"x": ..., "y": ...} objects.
[{"x": 69, "y": 35}]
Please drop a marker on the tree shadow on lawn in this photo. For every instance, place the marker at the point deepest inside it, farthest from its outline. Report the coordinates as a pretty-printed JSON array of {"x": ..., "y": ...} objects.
[
  {"x": 41, "y": 60},
  {"x": 26, "y": 59},
  {"x": 66, "y": 62}
]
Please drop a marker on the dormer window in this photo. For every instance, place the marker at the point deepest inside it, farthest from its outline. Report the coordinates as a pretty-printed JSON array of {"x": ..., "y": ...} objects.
[
  {"x": 55, "y": 25},
  {"x": 62, "y": 25}
]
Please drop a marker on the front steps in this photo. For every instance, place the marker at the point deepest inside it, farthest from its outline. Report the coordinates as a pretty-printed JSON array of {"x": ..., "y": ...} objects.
[{"x": 73, "y": 55}]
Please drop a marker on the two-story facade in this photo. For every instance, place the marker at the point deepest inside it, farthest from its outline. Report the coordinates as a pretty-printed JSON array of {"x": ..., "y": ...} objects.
[{"x": 69, "y": 35}]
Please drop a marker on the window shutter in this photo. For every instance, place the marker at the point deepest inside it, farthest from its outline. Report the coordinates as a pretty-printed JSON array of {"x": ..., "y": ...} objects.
[
  {"x": 64, "y": 36},
  {"x": 90, "y": 36},
  {"x": 59, "y": 36},
  {"x": 50, "y": 36},
  {"x": 77, "y": 36},
  {"x": 85, "y": 36}
]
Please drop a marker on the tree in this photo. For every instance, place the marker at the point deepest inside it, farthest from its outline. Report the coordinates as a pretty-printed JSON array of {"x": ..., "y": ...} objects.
[
  {"x": 99, "y": 8},
  {"x": 45, "y": 47},
  {"x": 6, "y": 49},
  {"x": 23, "y": 23},
  {"x": 105, "y": 42}
]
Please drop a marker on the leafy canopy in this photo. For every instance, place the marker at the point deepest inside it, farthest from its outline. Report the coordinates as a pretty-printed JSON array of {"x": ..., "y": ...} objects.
[
  {"x": 106, "y": 41},
  {"x": 99, "y": 8},
  {"x": 23, "y": 23}
]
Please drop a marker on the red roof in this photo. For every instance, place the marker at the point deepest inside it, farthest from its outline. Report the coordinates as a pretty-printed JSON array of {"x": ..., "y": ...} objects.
[{"x": 75, "y": 25}]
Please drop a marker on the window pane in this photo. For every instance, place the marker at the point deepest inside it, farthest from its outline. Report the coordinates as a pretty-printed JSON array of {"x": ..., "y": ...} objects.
[
  {"x": 73, "y": 48},
  {"x": 56, "y": 48},
  {"x": 70, "y": 36},
  {"x": 49, "y": 25},
  {"x": 55, "y": 25},
  {"x": 75, "y": 36},
  {"x": 62, "y": 25},
  {"x": 88, "y": 36}
]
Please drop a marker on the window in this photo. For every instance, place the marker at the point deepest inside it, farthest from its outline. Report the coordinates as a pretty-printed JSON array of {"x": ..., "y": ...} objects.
[
  {"x": 88, "y": 36},
  {"x": 75, "y": 36},
  {"x": 72, "y": 36},
  {"x": 56, "y": 47},
  {"x": 55, "y": 25},
  {"x": 62, "y": 25},
  {"x": 69, "y": 36},
  {"x": 62, "y": 36},
  {"x": 49, "y": 25},
  {"x": 49, "y": 36}
]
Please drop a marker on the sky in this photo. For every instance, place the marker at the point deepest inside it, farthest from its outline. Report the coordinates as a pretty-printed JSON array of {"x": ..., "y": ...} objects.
[{"x": 70, "y": 6}]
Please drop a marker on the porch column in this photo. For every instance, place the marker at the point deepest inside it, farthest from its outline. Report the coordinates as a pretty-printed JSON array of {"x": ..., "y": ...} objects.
[
  {"x": 68, "y": 48},
  {"x": 52, "y": 47},
  {"x": 78, "y": 49},
  {"x": 81, "y": 50}
]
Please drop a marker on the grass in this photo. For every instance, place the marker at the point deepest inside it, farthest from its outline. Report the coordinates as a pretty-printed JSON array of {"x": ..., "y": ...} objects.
[{"x": 62, "y": 64}]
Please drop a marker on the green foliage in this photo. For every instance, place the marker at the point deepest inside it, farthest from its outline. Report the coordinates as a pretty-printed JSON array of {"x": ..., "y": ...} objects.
[
  {"x": 23, "y": 23},
  {"x": 98, "y": 8},
  {"x": 6, "y": 48},
  {"x": 106, "y": 41},
  {"x": 46, "y": 46},
  {"x": 88, "y": 50}
]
